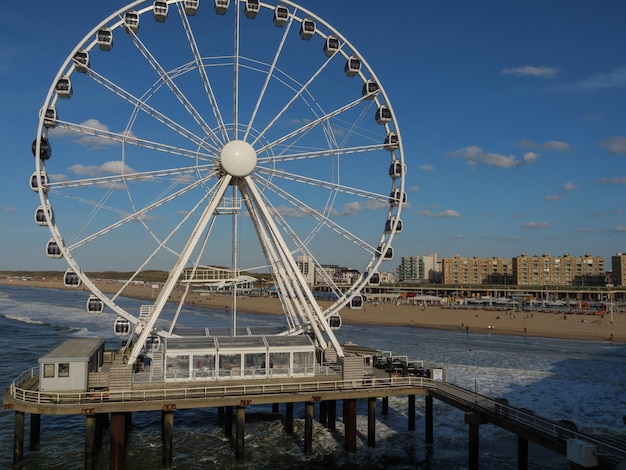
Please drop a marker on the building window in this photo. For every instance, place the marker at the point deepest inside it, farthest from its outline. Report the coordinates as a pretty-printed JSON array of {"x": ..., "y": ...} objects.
[
  {"x": 64, "y": 369},
  {"x": 48, "y": 370}
]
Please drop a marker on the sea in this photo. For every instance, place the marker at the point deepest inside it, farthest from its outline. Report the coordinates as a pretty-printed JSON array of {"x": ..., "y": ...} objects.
[{"x": 579, "y": 381}]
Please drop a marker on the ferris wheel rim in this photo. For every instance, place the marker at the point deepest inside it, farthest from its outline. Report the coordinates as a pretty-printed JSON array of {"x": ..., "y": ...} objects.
[{"x": 68, "y": 69}]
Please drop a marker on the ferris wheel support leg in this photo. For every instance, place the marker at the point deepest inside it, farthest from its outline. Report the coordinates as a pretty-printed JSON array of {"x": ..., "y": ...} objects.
[
  {"x": 176, "y": 271},
  {"x": 299, "y": 285}
]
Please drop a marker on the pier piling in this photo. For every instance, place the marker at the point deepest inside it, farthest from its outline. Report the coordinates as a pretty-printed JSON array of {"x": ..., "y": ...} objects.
[
  {"x": 428, "y": 412},
  {"x": 371, "y": 422},
  {"x": 240, "y": 432},
  {"x": 349, "y": 421},
  {"x": 91, "y": 426},
  {"x": 167, "y": 435},
  {"x": 332, "y": 415},
  {"x": 118, "y": 441},
  {"x": 411, "y": 413},
  {"x": 18, "y": 438},
  {"x": 522, "y": 453},
  {"x": 35, "y": 429},
  {"x": 308, "y": 427},
  {"x": 288, "y": 418}
]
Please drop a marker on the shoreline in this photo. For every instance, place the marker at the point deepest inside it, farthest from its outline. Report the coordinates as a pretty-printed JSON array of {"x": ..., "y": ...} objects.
[{"x": 515, "y": 323}]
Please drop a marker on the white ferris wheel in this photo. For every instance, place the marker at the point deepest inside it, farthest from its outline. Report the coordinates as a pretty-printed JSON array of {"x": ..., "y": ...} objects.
[{"x": 216, "y": 139}]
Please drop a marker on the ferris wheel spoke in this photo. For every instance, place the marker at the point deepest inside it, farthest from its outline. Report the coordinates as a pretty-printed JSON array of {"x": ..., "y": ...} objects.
[
  {"x": 143, "y": 106},
  {"x": 268, "y": 77},
  {"x": 162, "y": 245},
  {"x": 163, "y": 75},
  {"x": 174, "y": 174},
  {"x": 137, "y": 215},
  {"x": 316, "y": 122},
  {"x": 303, "y": 248},
  {"x": 322, "y": 153},
  {"x": 324, "y": 184},
  {"x": 306, "y": 209},
  {"x": 132, "y": 140},
  {"x": 206, "y": 83}
]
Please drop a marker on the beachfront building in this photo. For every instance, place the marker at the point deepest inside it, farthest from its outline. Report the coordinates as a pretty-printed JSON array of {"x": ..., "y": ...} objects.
[
  {"x": 566, "y": 270},
  {"x": 618, "y": 262},
  {"x": 307, "y": 268},
  {"x": 418, "y": 268},
  {"x": 473, "y": 271}
]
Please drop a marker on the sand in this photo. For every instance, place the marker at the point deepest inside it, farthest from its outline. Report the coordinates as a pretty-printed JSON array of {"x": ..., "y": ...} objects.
[{"x": 609, "y": 327}]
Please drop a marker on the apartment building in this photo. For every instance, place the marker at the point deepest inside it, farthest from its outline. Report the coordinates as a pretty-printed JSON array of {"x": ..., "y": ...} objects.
[
  {"x": 566, "y": 270},
  {"x": 472, "y": 271}
]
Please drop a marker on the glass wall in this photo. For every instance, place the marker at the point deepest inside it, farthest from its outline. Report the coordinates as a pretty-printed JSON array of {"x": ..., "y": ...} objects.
[
  {"x": 177, "y": 366},
  {"x": 203, "y": 366},
  {"x": 230, "y": 365}
]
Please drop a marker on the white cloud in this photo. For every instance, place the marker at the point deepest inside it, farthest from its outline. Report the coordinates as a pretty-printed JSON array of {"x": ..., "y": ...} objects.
[
  {"x": 569, "y": 186},
  {"x": 93, "y": 142},
  {"x": 553, "y": 197},
  {"x": 601, "y": 81},
  {"x": 474, "y": 155},
  {"x": 615, "y": 145},
  {"x": 619, "y": 228},
  {"x": 613, "y": 180},
  {"x": 447, "y": 214},
  {"x": 532, "y": 71},
  {"x": 534, "y": 225},
  {"x": 426, "y": 168},
  {"x": 549, "y": 145},
  {"x": 116, "y": 167},
  {"x": 588, "y": 230}
]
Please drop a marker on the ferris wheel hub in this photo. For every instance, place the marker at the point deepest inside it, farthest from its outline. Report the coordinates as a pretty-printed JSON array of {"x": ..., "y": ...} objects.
[{"x": 238, "y": 158}]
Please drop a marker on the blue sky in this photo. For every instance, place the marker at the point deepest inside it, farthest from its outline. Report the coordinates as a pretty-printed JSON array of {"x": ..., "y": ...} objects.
[{"x": 512, "y": 117}]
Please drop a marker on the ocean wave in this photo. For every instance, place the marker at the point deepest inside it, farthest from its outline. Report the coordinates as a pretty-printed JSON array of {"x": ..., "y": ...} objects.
[{"x": 22, "y": 319}]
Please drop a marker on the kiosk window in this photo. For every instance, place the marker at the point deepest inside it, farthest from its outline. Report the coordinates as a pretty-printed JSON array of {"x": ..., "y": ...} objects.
[
  {"x": 64, "y": 369},
  {"x": 48, "y": 370}
]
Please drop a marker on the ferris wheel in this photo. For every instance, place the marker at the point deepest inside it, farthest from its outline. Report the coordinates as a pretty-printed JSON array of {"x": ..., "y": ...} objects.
[{"x": 216, "y": 139}]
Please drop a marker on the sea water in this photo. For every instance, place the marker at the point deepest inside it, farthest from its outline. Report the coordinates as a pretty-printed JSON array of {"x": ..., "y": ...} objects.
[{"x": 580, "y": 381}]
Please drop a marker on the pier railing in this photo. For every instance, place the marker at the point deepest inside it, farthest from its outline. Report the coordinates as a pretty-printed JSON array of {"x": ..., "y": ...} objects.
[{"x": 18, "y": 392}]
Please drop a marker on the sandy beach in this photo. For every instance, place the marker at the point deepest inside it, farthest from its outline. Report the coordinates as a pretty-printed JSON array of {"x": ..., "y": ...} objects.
[{"x": 609, "y": 327}]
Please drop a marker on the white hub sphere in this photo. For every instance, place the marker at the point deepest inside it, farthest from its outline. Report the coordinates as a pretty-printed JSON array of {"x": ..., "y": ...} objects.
[{"x": 238, "y": 158}]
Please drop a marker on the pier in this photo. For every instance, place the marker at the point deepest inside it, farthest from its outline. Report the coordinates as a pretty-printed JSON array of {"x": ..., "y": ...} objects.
[{"x": 113, "y": 407}]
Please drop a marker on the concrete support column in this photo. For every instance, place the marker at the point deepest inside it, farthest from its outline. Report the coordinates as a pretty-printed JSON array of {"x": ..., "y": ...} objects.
[
  {"x": 274, "y": 407},
  {"x": 474, "y": 420},
  {"x": 411, "y": 413},
  {"x": 35, "y": 429},
  {"x": 385, "y": 406},
  {"x": 428, "y": 405},
  {"x": 240, "y": 432},
  {"x": 522, "y": 453},
  {"x": 332, "y": 415},
  {"x": 228, "y": 421},
  {"x": 371, "y": 422},
  {"x": 167, "y": 436},
  {"x": 102, "y": 421},
  {"x": 18, "y": 438},
  {"x": 220, "y": 415},
  {"x": 309, "y": 412},
  {"x": 324, "y": 413},
  {"x": 349, "y": 422},
  {"x": 289, "y": 418},
  {"x": 118, "y": 441},
  {"x": 91, "y": 429}
]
